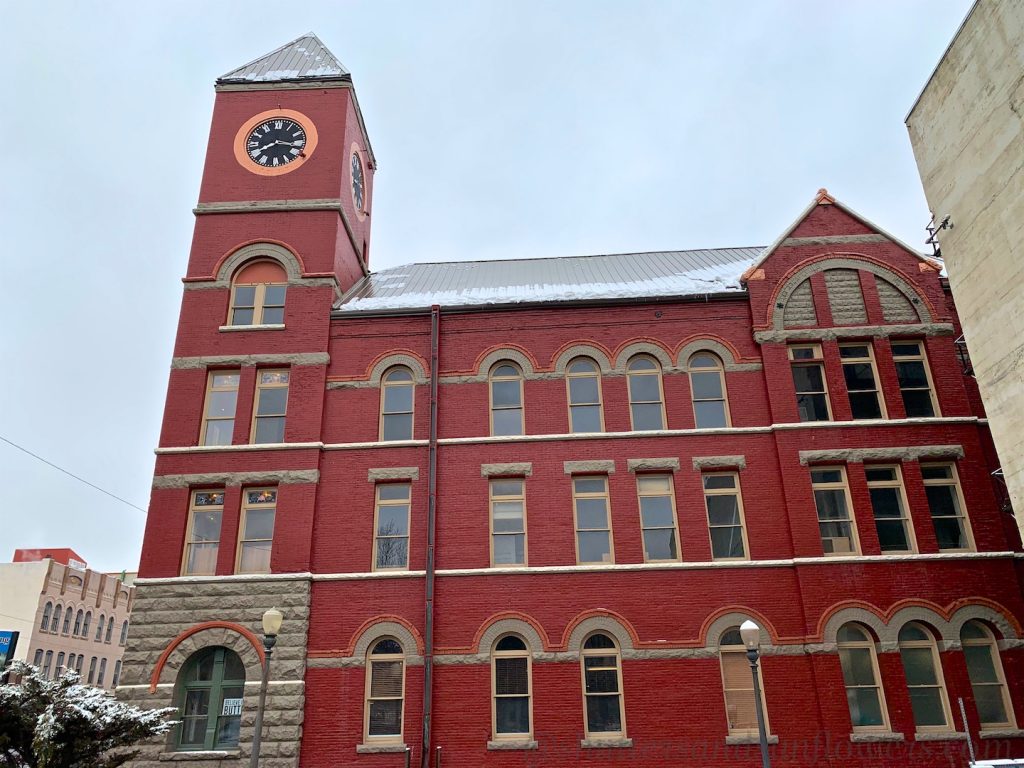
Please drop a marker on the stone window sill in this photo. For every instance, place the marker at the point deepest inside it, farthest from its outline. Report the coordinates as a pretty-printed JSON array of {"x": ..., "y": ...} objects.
[
  {"x": 940, "y": 736},
  {"x": 200, "y": 755},
  {"x": 876, "y": 737},
  {"x": 511, "y": 744},
  {"x": 378, "y": 749},
  {"x": 268, "y": 327},
  {"x": 749, "y": 739},
  {"x": 606, "y": 743},
  {"x": 1002, "y": 733}
]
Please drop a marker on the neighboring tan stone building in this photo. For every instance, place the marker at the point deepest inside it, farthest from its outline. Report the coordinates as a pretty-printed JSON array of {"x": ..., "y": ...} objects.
[
  {"x": 968, "y": 136},
  {"x": 67, "y": 615}
]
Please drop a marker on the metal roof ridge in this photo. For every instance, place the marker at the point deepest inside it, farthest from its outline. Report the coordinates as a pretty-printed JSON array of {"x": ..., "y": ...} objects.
[
  {"x": 579, "y": 256},
  {"x": 231, "y": 74}
]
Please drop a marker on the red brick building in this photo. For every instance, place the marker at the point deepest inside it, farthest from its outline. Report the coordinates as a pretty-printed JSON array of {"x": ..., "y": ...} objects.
[{"x": 514, "y": 511}]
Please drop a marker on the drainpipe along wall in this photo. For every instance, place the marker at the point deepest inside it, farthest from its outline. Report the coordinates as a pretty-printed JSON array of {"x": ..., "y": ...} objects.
[{"x": 428, "y": 589}]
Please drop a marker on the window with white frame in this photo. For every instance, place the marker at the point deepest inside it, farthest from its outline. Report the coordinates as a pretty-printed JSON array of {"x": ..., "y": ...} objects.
[
  {"x": 835, "y": 511},
  {"x": 808, "y": 368},
  {"x": 925, "y": 683},
  {"x": 889, "y": 506},
  {"x": 946, "y": 504},
  {"x": 391, "y": 527},
  {"x": 861, "y": 375},
  {"x": 511, "y": 685},
  {"x": 508, "y": 521},
  {"x": 593, "y": 519},
  {"x": 385, "y": 691},
  {"x": 864, "y": 693},
  {"x": 658, "y": 517},
  {"x": 602, "y": 688}
]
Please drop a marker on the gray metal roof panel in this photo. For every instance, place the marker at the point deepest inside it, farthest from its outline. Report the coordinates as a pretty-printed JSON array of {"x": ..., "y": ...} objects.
[
  {"x": 572, "y": 278},
  {"x": 305, "y": 58}
]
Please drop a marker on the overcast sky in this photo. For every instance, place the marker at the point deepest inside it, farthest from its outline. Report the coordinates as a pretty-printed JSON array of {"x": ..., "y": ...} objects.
[{"x": 501, "y": 130}]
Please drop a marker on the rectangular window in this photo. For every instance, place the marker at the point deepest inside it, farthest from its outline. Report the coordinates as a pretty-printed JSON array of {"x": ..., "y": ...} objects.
[
  {"x": 257, "y": 526},
  {"x": 219, "y": 408},
  {"x": 258, "y": 304},
  {"x": 942, "y": 487},
  {"x": 593, "y": 522},
  {"x": 889, "y": 506},
  {"x": 658, "y": 517},
  {"x": 915, "y": 378},
  {"x": 809, "y": 381},
  {"x": 202, "y": 541},
  {"x": 508, "y": 522},
  {"x": 391, "y": 529},
  {"x": 270, "y": 407},
  {"x": 835, "y": 515},
  {"x": 725, "y": 516},
  {"x": 866, "y": 402},
  {"x": 102, "y": 673}
]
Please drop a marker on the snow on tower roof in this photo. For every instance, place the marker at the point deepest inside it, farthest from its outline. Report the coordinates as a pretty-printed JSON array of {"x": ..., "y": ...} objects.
[{"x": 305, "y": 58}]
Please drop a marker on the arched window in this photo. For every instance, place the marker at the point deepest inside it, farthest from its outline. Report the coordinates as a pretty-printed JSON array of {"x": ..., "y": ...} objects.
[
  {"x": 102, "y": 673},
  {"x": 510, "y": 682},
  {"x": 506, "y": 386},
  {"x": 59, "y": 670},
  {"x": 47, "y": 613},
  {"x": 397, "y": 404},
  {"x": 71, "y": 663},
  {"x": 583, "y": 390},
  {"x": 707, "y": 388},
  {"x": 738, "y": 684},
  {"x": 864, "y": 693},
  {"x": 210, "y": 688},
  {"x": 124, "y": 633},
  {"x": 68, "y": 616},
  {"x": 923, "y": 671},
  {"x": 92, "y": 670},
  {"x": 58, "y": 614},
  {"x": 646, "y": 402},
  {"x": 47, "y": 663},
  {"x": 99, "y": 628},
  {"x": 602, "y": 688},
  {"x": 257, "y": 294},
  {"x": 37, "y": 660},
  {"x": 78, "y": 663},
  {"x": 385, "y": 691},
  {"x": 117, "y": 674},
  {"x": 78, "y": 622},
  {"x": 991, "y": 697},
  {"x": 86, "y": 623},
  {"x": 110, "y": 630}
]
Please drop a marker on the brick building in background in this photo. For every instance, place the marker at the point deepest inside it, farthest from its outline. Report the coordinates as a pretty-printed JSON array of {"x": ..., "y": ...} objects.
[{"x": 514, "y": 510}]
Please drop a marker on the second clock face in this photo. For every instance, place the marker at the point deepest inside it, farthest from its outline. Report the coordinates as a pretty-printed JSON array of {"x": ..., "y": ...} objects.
[{"x": 276, "y": 142}]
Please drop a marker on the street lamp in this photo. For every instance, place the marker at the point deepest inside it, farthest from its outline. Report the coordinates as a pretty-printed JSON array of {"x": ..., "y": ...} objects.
[
  {"x": 271, "y": 626},
  {"x": 751, "y": 634}
]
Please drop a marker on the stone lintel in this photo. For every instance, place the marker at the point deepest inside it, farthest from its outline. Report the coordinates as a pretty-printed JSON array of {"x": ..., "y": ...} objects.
[
  {"x": 377, "y": 474},
  {"x": 508, "y": 469},
  {"x": 604, "y": 467},
  {"x": 719, "y": 462},
  {"x": 297, "y": 359},
  {"x": 853, "y": 332},
  {"x": 511, "y": 744},
  {"x": 899, "y": 453},
  {"x": 606, "y": 743},
  {"x": 754, "y": 739},
  {"x": 642, "y": 465},
  {"x": 279, "y": 477},
  {"x": 379, "y": 749},
  {"x": 877, "y": 737}
]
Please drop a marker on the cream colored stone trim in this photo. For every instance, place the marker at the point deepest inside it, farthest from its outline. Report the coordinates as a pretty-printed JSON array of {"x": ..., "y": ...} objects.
[
  {"x": 379, "y": 749},
  {"x": 902, "y": 453},
  {"x": 917, "y": 421},
  {"x": 582, "y": 350},
  {"x": 605, "y": 743},
  {"x": 288, "y": 260},
  {"x": 600, "y": 623},
  {"x": 279, "y": 477},
  {"x": 392, "y": 473},
  {"x": 737, "y": 740},
  {"x": 719, "y": 462},
  {"x": 350, "y": 662},
  {"x": 1002, "y": 733},
  {"x": 304, "y": 85},
  {"x": 179, "y": 757},
  {"x": 507, "y": 353},
  {"x": 510, "y": 744},
  {"x": 382, "y": 629},
  {"x": 509, "y": 626},
  {"x": 606, "y": 467},
  {"x": 877, "y": 737},
  {"x": 716, "y": 348},
  {"x": 296, "y": 359},
  {"x": 512, "y": 469},
  {"x": 729, "y": 620},
  {"x": 240, "y": 448},
  {"x": 797, "y": 242},
  {"x": 643, "y": 348},
  {"x": 854, "y": 331},
  {"x": 236, "y": 328},
  {"x": 398, "y": 359},
  {"x": 269, "y": 206},
  {"x": 941, "y": 736},
  {"x": 642, "y": 465}
]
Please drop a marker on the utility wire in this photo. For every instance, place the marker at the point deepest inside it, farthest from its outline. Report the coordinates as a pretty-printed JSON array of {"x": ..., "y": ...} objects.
[{"x": 71, "y": 474}]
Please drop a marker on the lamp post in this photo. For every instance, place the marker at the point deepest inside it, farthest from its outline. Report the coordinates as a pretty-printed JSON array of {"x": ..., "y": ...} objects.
[
  {"x": 271, "y": 626},
  {"x": 751, "y": 634}
]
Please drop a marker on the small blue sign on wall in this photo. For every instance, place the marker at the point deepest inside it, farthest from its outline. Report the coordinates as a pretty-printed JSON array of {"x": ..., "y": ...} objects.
[{"x": 8, "y": 642}]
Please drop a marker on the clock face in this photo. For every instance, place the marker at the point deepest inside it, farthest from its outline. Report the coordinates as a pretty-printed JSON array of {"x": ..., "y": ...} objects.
[
  {"x": 357, "y": 181},
  {"x": 276, "y": 142}
]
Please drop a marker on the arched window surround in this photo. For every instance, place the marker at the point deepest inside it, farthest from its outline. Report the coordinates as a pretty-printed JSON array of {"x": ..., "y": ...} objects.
[
  {"x": 44, "y": 625},
  {"x": 69, "y": 614},
  {"x": 78, "y": 622},
  {"x": 58, "y": 614},
  {"x": 212, "y": 679}
]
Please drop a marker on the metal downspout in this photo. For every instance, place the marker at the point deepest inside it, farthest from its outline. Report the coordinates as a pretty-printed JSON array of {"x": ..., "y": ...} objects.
[{"x": 428, "y": 621}]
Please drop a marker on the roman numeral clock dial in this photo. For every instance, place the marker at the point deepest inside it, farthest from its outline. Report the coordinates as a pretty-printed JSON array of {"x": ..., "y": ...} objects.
[{"x": 275, "y": 142}]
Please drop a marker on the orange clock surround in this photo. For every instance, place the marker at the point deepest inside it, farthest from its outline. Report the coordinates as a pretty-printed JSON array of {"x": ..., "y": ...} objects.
[{"x": 243, "y": 134}]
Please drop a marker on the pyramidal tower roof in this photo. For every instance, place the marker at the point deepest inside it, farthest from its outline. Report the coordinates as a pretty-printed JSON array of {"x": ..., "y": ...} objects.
[{"x": 305, "y": 58}]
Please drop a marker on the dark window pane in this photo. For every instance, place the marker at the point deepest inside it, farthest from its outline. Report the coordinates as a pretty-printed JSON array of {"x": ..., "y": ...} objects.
[
  {"x": 508, "y": 421},
  {"x": 859, "y": 376},
  {"x": 385, "y": 718},
  {"x": 591, "y": 513},
  {"x": 245, "y": 295},
  {"x": 709, "y": 415},
  {"x": 865, "y": 708},
  {"x": 812, "y": 407},
  {"x": 727, "y": 542},
  {"x": 656, "y": 511},
  {"x": 398, "y": 426},
  {"x": 706, "y": 385},
  {"x": 273, "y": 401},
  {"x": 949, "y": 533},
  {"x": 397, "y": 399},
  {"x": 927, "y": 706},
  {"x": 273, "y": 315},
  {"x": 269, "y": 430},
  {"x": 942, "y": 500},
  {"x": 831, "y": 504},
  {"x": 511, "y": 677},
  {"x": 723, "y": 510},
  {"x": 603, "y": 714},
  {"x": 241, "y": 317},
  {"x": 644, "y": 388},
  {"x": 274, "y": 294},
  {"x": 505, "y": 393},
  {"x": 586, "y": 418},
  {"x": 595, "y": 547},
  {"x": 864, "y": 405},
  {"x": 660, "y": 544},
  {"x": 393, "y": 520},
  {"x": 392, "y": 553},
  {"x": 808, "y": 378},
  {"x": 857, "y": 666},
  {"x": 912, "y": 374},
  {"x": 512, "y": 714},
  {"x": 647, "y": 416},
  {"x": 892, "y": 535},
  {"x": 583, "y": 389},
  {"x": 917, "y": 403}
]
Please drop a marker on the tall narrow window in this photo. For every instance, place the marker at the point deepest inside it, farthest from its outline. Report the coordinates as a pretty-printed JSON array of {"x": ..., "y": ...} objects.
[
  {"x": 102, "y": 673},
  {"x": 211, "y": 686},
  {"x": 738, "y": 685},
  {"x": 583, "y": 388},
  {"x": 203, "y": 537},
  {"x": 59, "y": 670},
  {"x": 506, "y": 386},
  {"x": 510, "y": 681},
  {"x": 219, "y": 411},
  {"x": 78, "y": 663},
  {"x": 110, "y": 630},
  {"x": 602, "y": 688},
  {"x": 915, "y": 378},
  {"x": 396, "y": 404},
  {"x": 258, "y": 512},
  {"x": 658, "y": 517},
  {"x": 924, "y": 678},
  {"x": 58, "y": 614},
  {"x": 92, "y": 670},
  {"x": 991, "y": 697},
  {"x": 68, "y": 616},
  {"x": 48, "y": 665},
  {"x": 71, "y": 663},
  {"x": 835, "y": 516},
  {"x": 86, "y": 623},
  {"x": 124, "y": 632},
  {"x": 385, "y": 691},
  {"x": 809, "y": 381},
  {"x": 866, "y": 401},
  {"x": 646, "y": 403},
  {"x": 508, "y": 522},
  {"x": 707, "y": 386},
  {"x": 391, "y": 531},
  {"x": 117, "y": 674},
  {"x": 593, "y": 522},
  {"x": 257, "y": 295},
  {"x": 864, "y": 693},
  {"x": 44, "y": 625},
  {"x": 271, "y": 405},
  {"x": 725, "y": 515},
  {"x": 78, "y": 623},
  {"x": 37, "y": 660},
  {"x": 99, "y": 628},
  {"x": 889, "y": 505},
  {"x": 952, "y": 529}
]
